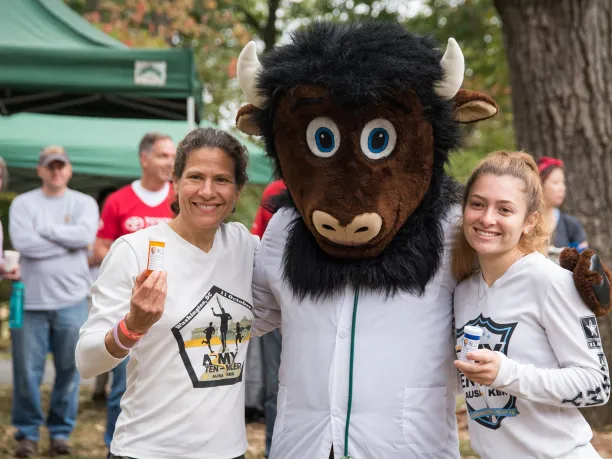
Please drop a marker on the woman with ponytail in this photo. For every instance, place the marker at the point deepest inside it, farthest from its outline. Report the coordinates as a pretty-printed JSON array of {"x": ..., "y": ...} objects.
[{"x": 540, "y": 356}]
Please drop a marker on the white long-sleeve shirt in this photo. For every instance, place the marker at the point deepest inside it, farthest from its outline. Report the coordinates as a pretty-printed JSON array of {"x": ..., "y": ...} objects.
[
  {"x": 52, "y": 235},
  {"x": 185, "y": 396},
  {"x": 552, "y": 363},
  {"x": 404, "y": 384}
]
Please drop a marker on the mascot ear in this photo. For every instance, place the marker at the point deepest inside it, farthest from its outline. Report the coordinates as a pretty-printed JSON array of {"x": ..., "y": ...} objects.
[
  {"x": 472, "y": 106},
  {"x": 591, "y": 277},
  {"x": 245, "y": 120}
]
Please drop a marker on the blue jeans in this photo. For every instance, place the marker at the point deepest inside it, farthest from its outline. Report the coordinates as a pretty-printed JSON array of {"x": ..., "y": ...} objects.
[
  {"x": 271, "y": 353},
  {"x": 57, "y": 330},
  {"x": 113, "y": 403}
]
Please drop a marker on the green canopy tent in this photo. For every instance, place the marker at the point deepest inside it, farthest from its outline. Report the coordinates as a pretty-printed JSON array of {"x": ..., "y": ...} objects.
[
  {"x": 54, "y": 61},
  {"x": 103, "y": 151}
]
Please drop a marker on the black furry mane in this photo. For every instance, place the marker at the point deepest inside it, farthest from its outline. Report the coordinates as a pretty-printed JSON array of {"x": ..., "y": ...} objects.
[
  {"x": 408, "y": 263},
  {"x": 358, "y": 63}
]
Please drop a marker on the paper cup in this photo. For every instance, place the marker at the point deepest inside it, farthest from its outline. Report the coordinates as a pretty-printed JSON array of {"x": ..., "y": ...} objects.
[{"x": 11, "y": 260}]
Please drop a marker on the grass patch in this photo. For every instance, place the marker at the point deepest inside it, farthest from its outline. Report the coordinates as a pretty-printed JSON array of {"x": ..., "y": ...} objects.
[{"x": 86, "y": 439}]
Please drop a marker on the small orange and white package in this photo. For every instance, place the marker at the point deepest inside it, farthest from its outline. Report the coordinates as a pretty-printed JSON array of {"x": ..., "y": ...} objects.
[{"x": 155, "y": 260}]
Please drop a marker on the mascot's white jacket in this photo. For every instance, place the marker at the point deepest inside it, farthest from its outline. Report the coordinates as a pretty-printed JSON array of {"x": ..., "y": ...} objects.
[{"x": 404, "y": 381}]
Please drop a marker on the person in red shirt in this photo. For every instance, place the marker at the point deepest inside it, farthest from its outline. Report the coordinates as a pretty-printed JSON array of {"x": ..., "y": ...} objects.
[
  {"x": 270, "y": 342},
  {"x": 266, "y": 209},
  {"x": 143, "y": 203}
]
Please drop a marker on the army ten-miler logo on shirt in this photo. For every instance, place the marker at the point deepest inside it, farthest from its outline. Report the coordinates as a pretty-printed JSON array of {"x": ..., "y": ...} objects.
[{"x": 212, "y": 339}]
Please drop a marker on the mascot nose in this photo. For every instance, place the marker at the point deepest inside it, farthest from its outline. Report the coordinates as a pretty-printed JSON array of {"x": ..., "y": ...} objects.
[{"x": 362, "y": 229}]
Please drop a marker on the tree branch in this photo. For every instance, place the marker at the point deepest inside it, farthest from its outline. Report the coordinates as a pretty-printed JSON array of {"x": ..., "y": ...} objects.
[{"x": 250, "y": 19}]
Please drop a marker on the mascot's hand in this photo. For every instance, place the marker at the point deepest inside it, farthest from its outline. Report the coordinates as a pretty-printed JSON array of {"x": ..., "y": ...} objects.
[{"x": 591, "y": 277}]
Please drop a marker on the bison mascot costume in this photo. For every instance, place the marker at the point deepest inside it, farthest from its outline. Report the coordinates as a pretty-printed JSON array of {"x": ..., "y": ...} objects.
[{"x": 355, "y": 268}]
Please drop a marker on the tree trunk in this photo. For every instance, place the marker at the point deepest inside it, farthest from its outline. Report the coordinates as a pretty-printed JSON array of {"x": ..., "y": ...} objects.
[
  {"x": 560, "y": 59},
  {"x": 269, "y": 32}
]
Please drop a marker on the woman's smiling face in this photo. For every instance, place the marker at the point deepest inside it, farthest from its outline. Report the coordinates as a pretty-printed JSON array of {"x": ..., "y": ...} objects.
[
  {"x": 495, "y": 215},
  {"x": 207, "y": 190}
]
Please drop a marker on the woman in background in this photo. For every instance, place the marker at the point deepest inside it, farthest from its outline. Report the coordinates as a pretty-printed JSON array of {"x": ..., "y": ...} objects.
[{"x": 566, "y": 230}]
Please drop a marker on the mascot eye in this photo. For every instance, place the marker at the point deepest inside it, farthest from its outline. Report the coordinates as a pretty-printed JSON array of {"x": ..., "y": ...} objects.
[
  {"x": 378, "y": 139},
  {"x": 323, "y": 137}
]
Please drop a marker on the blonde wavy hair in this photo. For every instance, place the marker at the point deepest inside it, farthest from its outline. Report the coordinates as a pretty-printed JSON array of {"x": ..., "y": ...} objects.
[{"x": 514, "y": 164}]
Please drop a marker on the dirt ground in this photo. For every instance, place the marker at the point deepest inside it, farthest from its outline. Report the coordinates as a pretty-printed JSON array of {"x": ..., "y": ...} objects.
[
  {"x": 87, "y": 438},
  {"x": 602, "y": 441}
]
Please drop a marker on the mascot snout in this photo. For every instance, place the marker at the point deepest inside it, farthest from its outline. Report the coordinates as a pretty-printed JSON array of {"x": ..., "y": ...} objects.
[{"x": 361, "y": 230}]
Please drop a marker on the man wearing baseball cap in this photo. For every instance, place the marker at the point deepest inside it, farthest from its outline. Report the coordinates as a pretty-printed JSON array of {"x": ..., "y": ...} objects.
[{"x": 51, "y": 227}]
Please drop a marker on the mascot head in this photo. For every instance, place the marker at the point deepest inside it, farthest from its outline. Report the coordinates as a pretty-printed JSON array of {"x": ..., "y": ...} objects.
[{"x": 359, "y": 120}]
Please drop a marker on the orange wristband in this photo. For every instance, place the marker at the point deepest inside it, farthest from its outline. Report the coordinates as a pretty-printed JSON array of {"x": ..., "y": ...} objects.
[{"x": 129, "y": 334}]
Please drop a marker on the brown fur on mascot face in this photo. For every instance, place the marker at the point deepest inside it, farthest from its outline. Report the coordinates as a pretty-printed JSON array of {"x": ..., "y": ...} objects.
[{"x": 358, "y": 128}]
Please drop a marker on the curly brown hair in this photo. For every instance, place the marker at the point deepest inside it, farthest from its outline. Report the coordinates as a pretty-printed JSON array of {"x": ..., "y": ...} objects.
[{"x": 211, "y": 138}]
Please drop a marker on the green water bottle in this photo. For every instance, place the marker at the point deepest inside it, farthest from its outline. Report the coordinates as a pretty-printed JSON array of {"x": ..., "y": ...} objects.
[{"x": 16, "y": 305}]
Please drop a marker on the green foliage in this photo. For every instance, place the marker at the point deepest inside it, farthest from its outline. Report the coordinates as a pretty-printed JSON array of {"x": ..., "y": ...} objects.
[
  {"x": 248, "y": 204},
  {"x": 477, "y": 28},
  {"x": 479, "y": 142},
  {"x": 344, "y": 10},
  {"x": 462, "y": 163},
  {"x": 80, "y": 6}
]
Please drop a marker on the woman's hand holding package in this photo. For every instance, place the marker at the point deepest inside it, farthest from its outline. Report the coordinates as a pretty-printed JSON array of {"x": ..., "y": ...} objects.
[
  {"x": 146, "y": 308},
  {"x": 485, "y": 368},
  {"x": 147, "y": 302}
]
